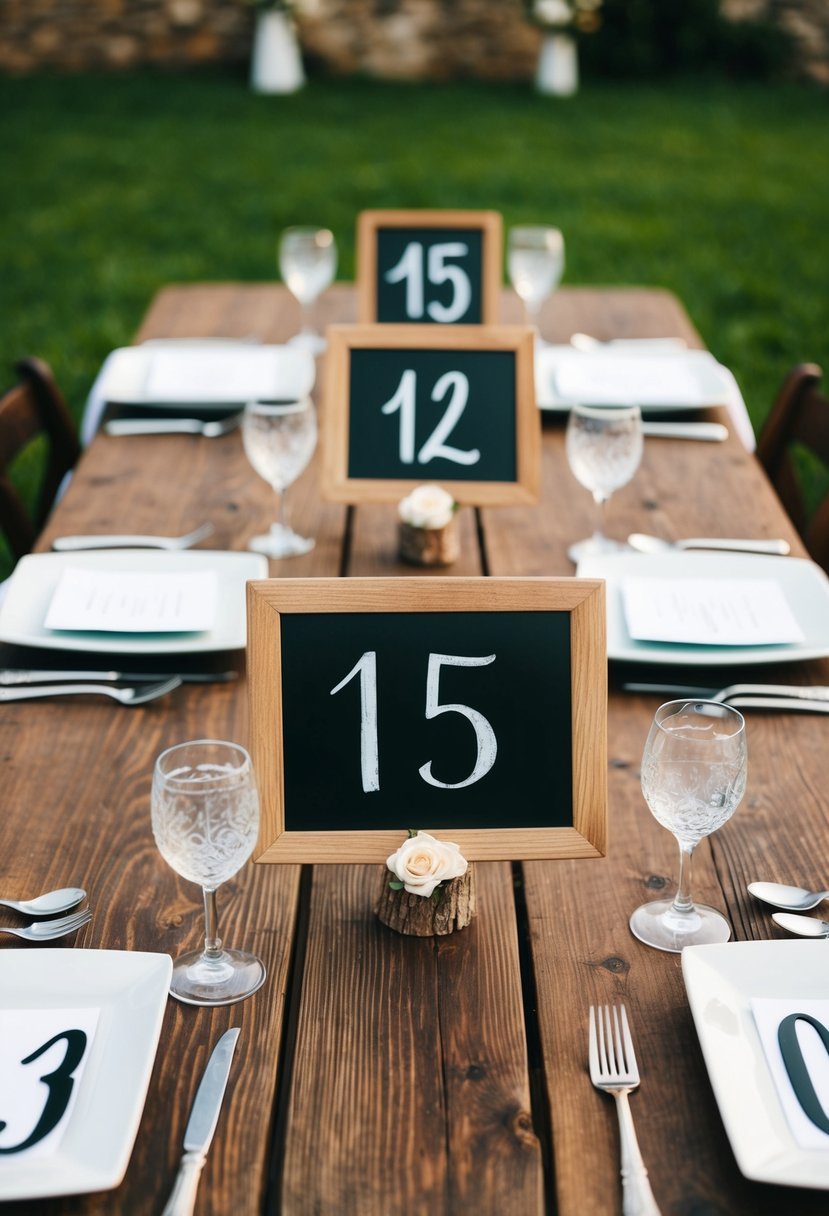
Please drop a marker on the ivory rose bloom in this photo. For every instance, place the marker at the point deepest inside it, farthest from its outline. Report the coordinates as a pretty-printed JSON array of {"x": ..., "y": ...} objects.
[
  {"x": 422, "y": 862},
  {"x": 427, "y": 507}
]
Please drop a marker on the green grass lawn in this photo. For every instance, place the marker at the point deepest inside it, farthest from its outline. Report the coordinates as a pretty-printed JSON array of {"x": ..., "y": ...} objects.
[{"x": 116, "y": 185}]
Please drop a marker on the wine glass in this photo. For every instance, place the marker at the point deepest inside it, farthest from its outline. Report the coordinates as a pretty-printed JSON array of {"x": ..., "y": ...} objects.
[
  {"x": 279, "y": 440},
  {"x": 307, "y": 263},
  {"x": 205, "y": 815},
  {"x": 604, "y": 449},
  {"x": 535, "y": 264},
  {"x": 693, "y": 778}
]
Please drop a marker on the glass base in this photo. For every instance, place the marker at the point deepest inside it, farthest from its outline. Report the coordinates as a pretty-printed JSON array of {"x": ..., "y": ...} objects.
[
  {"x": 594, "y": 546},
  {"x": 657, "y": 924},
  {"x": 234, "y": 975},
  {"x": 308, "y": 339},
  {"x": 281, "y": 542}
]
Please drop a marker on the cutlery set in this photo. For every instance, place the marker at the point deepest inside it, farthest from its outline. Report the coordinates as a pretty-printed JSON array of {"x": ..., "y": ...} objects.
[
  {"x": 46, "y": 905},
  {"x": 212, "y": 429},
  {"x": 792, "y": 900}
]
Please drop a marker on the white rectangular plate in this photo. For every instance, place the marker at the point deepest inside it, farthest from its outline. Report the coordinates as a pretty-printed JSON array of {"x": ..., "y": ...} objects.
[
  {"x": 804, "y": 585},
  {"x": 721, "y": 982},
  {"x": 126, "y": 376},
  {"x": 709, "y": 378},
  {"x": 36, "y": 576},
  {"x": 130, "y": 989}
]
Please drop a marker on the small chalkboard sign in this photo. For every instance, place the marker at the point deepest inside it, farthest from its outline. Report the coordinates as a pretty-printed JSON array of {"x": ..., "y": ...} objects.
[
  {"x": 429, "y": 267},
  {"x": 471, "y": 708},
  {"x": 411, "y": 404}
]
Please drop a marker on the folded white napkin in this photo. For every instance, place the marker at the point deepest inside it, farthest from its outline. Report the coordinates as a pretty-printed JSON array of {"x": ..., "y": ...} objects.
[
  {"x": 120, "y": 601},
  {"x": 709, "y": 611},
  {"x": 795, "y": 1039},
  {"x": 43, "y": 1054}
]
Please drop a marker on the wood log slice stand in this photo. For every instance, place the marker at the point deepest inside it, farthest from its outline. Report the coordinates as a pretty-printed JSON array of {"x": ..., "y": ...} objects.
[{"x": 419, "y": 916}]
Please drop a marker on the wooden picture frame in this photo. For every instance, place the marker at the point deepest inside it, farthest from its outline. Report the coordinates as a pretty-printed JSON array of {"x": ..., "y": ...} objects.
[
  {"x": 578, "y": 604},
  {"x": 486, "y": 226},
  {"x": 520, "y": 432}
]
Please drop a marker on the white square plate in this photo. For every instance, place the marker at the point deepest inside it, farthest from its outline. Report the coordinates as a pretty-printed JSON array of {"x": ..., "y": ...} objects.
[
  {"x": 721, "y": 982},
  {"x": 130, "y": 989},
  {"x": 804, "y": 585},
  {"x": 36, "y": 576},
  {"x": 287, "y": 374},
  {"x": 706, "y": 382}
]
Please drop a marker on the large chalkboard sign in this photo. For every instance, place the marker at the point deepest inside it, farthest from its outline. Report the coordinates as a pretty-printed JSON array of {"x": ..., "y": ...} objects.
[
  {"x": 411, "y": 404},
  {"x": 429, "y": 267},
  {"x": 471, "y": 708}
]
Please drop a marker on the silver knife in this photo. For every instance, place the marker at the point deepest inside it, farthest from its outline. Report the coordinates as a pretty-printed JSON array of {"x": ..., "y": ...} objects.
[
  {"x": 10, "y": 676},
  {"x": 712, "y": 432},
  {"x": 202, "y": 1124}
]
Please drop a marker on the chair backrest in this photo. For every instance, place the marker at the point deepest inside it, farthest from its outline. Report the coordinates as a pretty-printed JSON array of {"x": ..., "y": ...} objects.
[
  {"x": 800, "y": 415},
  {"x": 33, "y": 407}
]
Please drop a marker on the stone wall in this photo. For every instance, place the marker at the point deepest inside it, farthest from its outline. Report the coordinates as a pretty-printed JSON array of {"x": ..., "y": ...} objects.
[{"x": 390, "y": 39}]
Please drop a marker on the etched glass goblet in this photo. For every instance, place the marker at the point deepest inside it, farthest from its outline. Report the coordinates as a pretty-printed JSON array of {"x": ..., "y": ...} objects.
[
  {"x": 693, "y": 779},
  {"x": 279, "y": 440},
  {"x": 307, "y": 263},
  {"x": 205, "y": 816},
  {"x": 604, "y": 450},
  {"x": 535, "y": 264}
]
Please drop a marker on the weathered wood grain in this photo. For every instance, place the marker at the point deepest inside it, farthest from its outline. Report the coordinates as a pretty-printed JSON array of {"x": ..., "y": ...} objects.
[{"x": 408, "y": 1085}]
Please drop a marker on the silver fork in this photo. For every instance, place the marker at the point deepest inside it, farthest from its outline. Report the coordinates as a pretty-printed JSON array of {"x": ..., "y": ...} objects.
[
  {"x": 127, "y": 696},
  {"x": 49, "y": 930},
  {"x": 613, "y": 1069}
]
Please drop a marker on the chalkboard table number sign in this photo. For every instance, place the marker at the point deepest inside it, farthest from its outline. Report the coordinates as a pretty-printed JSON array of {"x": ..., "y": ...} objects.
[
  {"x": 404, "y": 405},
  {"x": 472, "y": 709},
  {"x": 429, "y": 267}
]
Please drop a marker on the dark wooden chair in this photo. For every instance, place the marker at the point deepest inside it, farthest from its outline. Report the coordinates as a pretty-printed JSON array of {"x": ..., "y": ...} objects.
[
  {"x": 33, "y": 407},
  {"x": 800, "y": 415}
]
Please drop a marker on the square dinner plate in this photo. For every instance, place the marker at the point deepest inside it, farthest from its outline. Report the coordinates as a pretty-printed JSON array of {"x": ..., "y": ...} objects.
[
  {"x": 31, "y": 586},
  {"x": 130, "y": 988},
  {"x": 721, "y": 982},
  {"x": 126, "y": 379},
  {"x": 804, "y": 585},
  {"x": 699, "y": 368}
]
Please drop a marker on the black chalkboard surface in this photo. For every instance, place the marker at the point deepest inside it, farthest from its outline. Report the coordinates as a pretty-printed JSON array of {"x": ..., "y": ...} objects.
[
  {"x": 474, "y": 708},
  {"x": 429, "y": 267},
  {"x": 411, "y": 404}
]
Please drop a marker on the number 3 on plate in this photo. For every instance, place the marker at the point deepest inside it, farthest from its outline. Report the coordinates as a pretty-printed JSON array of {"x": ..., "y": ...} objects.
[{"x": 369, "y": 748}]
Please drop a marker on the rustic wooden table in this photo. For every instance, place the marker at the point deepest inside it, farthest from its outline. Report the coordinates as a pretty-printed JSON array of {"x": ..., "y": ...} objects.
[{"x": 376, "y": 1074}]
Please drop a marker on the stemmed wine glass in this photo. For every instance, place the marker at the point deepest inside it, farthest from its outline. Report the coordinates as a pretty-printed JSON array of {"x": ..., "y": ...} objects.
[
  {"x": 535, "y": 264},
  {"x": 205, "y": 815},
  {"x": 307, "y": 263},
  {"x": 604, "y": 449},
  {"x": 693, "y": 778},
  {"x": 279, "y": 440}
]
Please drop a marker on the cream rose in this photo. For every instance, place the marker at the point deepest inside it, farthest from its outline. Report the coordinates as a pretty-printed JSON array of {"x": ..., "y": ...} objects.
[
  {"x": 422, "y": 862},
  {"x": 427, "y": 507}
]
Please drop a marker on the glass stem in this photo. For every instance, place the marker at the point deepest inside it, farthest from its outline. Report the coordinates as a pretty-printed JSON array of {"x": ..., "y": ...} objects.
[
  {"x": 682, "y": 900},
  {"x": 305, "y": 326},
  {"x": 212, "y": 941},
  {"x": 281, "y": 515},
  {"x": 600, "y": 499}
]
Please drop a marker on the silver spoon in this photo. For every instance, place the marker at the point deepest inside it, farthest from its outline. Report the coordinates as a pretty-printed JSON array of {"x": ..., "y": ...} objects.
[
  {"x": 791, "y": 899},
  {"x": 69, "y": 544},
  {"x": 803, "y": 926},
  {"x": 655, "y": 544},
  {"x": 48, "y": 904},
  {"x": 48, "y": 930}
]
